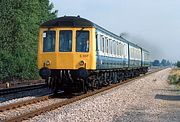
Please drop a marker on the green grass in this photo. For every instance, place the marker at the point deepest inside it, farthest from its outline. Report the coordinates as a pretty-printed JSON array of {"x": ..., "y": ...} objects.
[{"x": 174, "y": 78}]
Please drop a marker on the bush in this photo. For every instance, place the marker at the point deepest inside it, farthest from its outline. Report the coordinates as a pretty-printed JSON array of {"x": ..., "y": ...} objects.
[
  {"x": 19, "y": 26},
  {"x": 174, "y": 79},
  {"x": 178, "y": 64}
]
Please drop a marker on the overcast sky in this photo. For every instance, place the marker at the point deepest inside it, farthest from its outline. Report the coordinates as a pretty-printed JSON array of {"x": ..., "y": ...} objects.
[{"x": 153, "y": 24}]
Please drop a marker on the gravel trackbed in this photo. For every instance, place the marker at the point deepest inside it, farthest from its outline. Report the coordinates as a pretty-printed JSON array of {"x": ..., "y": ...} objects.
[{"x": 148, "y": 99}]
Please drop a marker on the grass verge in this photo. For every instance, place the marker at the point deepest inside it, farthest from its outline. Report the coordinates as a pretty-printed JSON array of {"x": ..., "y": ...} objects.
[{"x": 174, "y": 77}]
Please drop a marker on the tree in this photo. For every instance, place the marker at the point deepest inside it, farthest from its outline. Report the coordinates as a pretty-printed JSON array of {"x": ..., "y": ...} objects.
[
  {"x": 164, "y": 62},
  {"x": 19, "y": 25},
  {"x": 178, "y": 64},
  {"x": 156, "y": 63}
]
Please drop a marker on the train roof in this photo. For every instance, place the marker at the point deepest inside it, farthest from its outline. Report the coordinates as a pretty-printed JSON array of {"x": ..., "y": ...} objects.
[
  {"x": 72, "y": 21},
  {"x": 68, "y": 21},
  {"x": 145, "y": 50}
]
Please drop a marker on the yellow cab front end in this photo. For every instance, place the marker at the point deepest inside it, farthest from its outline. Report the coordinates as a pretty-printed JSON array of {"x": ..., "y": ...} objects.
[{"x": 67, "y": 48}]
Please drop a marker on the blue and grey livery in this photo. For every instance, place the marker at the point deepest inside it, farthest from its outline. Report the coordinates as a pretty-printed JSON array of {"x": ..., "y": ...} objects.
[{"x": 116, "y": 52}]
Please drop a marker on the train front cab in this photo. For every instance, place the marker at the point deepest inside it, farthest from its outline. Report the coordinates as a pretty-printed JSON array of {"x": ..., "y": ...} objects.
[{"x": 68, "y": 51}]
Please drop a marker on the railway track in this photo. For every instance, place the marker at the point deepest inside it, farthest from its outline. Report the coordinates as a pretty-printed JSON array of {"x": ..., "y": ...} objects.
[
  {"x": 22, "y": 88},
  {"x": 56, "y": 105}
]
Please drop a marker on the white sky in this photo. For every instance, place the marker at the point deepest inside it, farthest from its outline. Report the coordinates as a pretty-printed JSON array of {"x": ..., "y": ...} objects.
[{"x": 152, "y": 24}]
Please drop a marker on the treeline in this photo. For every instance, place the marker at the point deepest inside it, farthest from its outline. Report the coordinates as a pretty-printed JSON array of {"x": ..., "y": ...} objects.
[
  {"x": 19, "y": 26},
  {"x": 163, "y": 62},
  {"x": 177, "y": 64}
]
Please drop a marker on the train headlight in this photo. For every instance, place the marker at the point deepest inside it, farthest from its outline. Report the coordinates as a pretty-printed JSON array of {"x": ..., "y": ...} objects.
[
  {"x": 81, "y": 63},
  {"x": 48, "y": 62}
]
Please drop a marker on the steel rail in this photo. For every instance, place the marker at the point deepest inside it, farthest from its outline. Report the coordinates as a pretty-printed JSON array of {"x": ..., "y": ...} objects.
[
  {"x": 22, "y": 88},
  {"x": 72, "y": 100},
  {"x": 24, "y": 103}
]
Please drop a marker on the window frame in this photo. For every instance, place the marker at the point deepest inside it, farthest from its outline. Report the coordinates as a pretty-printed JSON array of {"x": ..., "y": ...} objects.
[
  {"x": 43, "y": 49},
  {"x": 86, "y": 43},
  {"x": 107, "y": 45},
  {"x": 71, "y": 40},
  {"x": 110, "y": 40},
  {"x": 102, "y": 43},
  {"x": 115, "y": 50}
]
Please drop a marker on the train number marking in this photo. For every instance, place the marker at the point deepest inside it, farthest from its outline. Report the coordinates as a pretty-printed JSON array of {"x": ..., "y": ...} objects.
[{"x": 84, "y": 56}]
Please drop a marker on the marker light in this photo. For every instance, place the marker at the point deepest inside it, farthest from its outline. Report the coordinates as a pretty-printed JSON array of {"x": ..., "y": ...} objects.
[
  {"x": 81, "y": 63},
  {"x": 47, "y": 63}
]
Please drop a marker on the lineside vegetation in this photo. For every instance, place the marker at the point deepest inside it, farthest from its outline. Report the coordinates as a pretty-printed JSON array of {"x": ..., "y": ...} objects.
[
  {"x": 19, "y": 25},
  {"x": 174, "y": 77}
]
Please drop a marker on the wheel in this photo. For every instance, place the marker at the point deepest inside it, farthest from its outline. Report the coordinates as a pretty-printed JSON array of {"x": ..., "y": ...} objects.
[
  {"x": 84, "y": 86},
  {"x": 46, "y": 81},
  {"x": 55, "y": 85},
  {"x": 50, "y": 82},
  {"x": 115, "y": 77},
  {"x": 96, "y": 84}
]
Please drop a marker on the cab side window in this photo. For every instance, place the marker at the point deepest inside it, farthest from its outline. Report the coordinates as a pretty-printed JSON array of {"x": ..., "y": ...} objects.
[
  {"x": 82, "y": 41},
  {"x": 49, "y": 40}
]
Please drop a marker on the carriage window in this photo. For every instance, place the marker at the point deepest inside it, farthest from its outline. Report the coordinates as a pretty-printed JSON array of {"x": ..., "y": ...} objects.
[
  {"x": 107, "y": 45},
  {"x": 103, "y": 48},
  {"x": 49, "y": 38},
  {"x": 112, "y": 46},
  {"x": 82, "y": 41},
  {"x": 121, "y": 49},
  {"x": 65, "y": 41},
  {"x": 117, "y": 49},
  {"x": 97, "y": 42}
]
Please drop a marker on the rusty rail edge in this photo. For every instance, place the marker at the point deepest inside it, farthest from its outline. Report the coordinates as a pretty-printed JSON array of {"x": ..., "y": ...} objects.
[
  {"x": 23, "y": 103},
  {"x": 71, "y": 100}
]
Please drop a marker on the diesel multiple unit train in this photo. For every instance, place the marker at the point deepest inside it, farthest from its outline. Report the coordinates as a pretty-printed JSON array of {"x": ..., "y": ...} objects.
[{"x": 75, "y": 54}]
